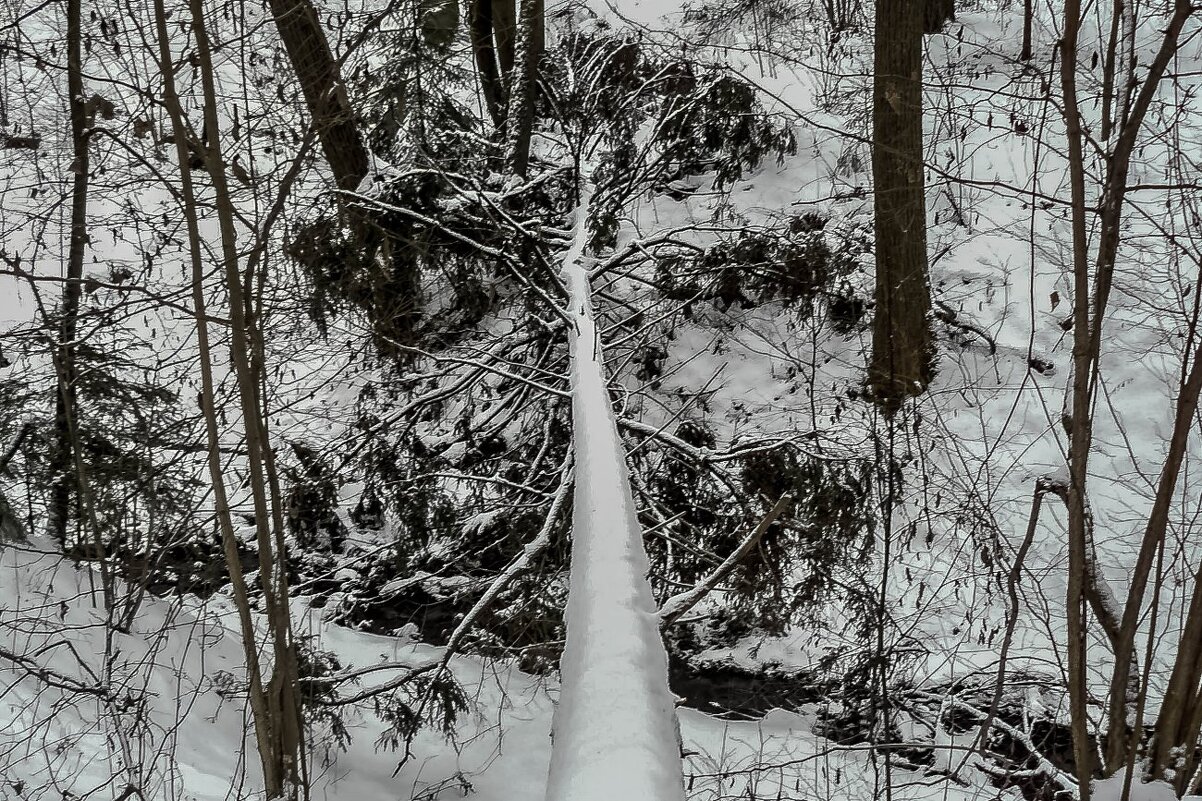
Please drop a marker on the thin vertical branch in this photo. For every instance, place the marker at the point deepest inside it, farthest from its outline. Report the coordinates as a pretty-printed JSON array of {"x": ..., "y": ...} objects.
[
  {"x": 1078, "y": 424},
  {"x": 183, "y": 137}
]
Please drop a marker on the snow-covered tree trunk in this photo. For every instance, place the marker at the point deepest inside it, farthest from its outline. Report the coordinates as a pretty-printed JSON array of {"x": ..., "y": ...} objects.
[{"x": 615, "y": 734}]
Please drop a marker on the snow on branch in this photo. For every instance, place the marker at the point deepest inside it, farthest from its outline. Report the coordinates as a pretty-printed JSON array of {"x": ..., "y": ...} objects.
[{"x": 521, "y": 564}]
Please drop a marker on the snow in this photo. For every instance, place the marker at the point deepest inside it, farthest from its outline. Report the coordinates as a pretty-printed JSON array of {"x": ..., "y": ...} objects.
[
  {"x": 999, "y": 431},
  {"x": 615, "y": 733},
  {"x": 185, "y": 736}
]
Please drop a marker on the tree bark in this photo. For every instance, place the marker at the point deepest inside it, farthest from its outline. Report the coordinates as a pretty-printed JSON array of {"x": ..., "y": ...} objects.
[
  {"x": 936, "y": 14},
  {"x": 1028, "y": 23},
  {"x": 264, "y": 737},
  {"x": 341, "y": 141},
  {"x": 1078, "y": 423},
  {"x": 1108, "y": 68},
  {"x": 902, "y": 347},
  {"x": 486, "y": 60},
  {"x": 325, "y": 94},
  {"x": 522, "y": 83},
  {"x": 1090, "y": 307},
  {"x": 505, "y": 30},
  {"x": 284, "y": 765}
]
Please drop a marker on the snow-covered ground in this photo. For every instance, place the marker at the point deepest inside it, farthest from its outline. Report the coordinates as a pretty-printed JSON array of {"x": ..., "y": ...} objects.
[{"x": 161, "y": 709}]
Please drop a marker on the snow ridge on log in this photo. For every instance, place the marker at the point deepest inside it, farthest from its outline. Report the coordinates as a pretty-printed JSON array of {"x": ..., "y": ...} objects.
[{"x": 615, "y": 734}]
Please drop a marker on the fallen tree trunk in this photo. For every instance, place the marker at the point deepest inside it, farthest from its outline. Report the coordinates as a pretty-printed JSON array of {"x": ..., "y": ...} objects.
[{"x": 615, "y": 733}]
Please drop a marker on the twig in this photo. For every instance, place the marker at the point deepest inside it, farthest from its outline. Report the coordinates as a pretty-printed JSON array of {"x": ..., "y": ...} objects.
[
  {"x": 53, "y": 678},
  {"x": 949, "y": 315},
  {"x": 1042, "y": 486},
  {"x": 517, "y": 566}
]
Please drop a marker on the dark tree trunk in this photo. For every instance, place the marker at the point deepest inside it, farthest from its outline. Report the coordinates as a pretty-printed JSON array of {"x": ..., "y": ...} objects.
[
  {"x": 505, "y": 29},
  {"x": 1028, "y": 20},
  {"x": 341, "y": 140},
  {"x": 1108, "y": 68},
  {"x": 486, "y": 60},
  {"x": 64, "y": 486},
  {"x": 309, "y": 52},
  {"x": 936, "y": 14},
  {"x": 901, "y": 341},
  {"x": 522, "y": 82}
]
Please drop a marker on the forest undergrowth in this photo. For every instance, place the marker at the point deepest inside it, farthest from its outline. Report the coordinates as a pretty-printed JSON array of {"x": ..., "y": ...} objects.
[{"x": 385, "y": 462}]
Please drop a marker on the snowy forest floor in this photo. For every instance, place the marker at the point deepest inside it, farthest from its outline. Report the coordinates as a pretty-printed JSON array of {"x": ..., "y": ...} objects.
[{"x": 174, "y": 723}]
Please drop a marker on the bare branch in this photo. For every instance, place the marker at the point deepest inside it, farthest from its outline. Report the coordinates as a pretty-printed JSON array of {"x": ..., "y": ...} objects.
[{"x": 677, "y": 605}]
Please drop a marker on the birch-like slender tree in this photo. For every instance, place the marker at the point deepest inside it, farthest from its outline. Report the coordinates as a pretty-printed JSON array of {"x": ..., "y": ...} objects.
[
  {"x": 275, "y": 702},
  {"x": 1172, "y": 753},
  {"x": 64, "y": 489}
]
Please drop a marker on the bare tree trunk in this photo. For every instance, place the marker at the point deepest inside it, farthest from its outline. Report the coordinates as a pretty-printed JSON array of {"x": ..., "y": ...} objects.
[
  {"x": 287, "y": 770},
  {"x": 1120, "y": 744},
  {"x": 1079, "y": 424},
  {"x": 901, "y": 339},
  {"x": 1028, "y": 20},
  {"x": 325, "y": 94},
  {"x": 936, "y": 14},
  {"x": 523, "y": 84},
  {"x": 486, "y": 60},
  {"x": 1108, "y": 67},
  {"x": 505, "y": 30},
  {"x": 70, "y": 487},
  {"x": 341, "y": 141},
  {"x": 1125, "y": 81},
  {"x": 64, "y": 488},
  {"x": 260, "y": 711},
  {"x": 1177, "y": 716}
]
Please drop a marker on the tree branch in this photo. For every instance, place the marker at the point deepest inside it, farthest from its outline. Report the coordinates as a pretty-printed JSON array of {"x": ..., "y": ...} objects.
[{"x": 677, "y": 605}]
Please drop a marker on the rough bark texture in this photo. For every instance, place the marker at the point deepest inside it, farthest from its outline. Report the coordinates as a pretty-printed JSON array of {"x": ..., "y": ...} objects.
[
  {"x": 11, "y": 527},
  {"x": 901, "y": 341},
  {"x": 342, "y": 143},
  {"x": 522, "y": 82},
  {"x": 309, "y": 52}
]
